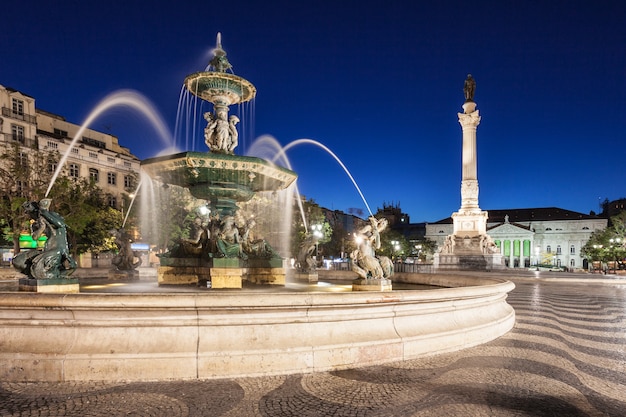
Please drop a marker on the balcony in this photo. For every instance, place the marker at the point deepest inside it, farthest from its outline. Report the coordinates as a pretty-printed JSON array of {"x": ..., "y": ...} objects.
[
  {"x": 8, "y": 112},
  {"x": 24, "y": 141}
]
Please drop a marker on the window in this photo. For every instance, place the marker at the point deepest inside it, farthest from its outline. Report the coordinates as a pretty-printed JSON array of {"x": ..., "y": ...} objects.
[
  {"x": 572, "y": 250},
  {"x": 61, "y": 133},
  {"x": 52, "y": 166},
  {"x": 112, "y": 202},
  {"x": 23, "y": 159},
  {"x": 52, "y": 145},
  {"x": 572, "y": 262},
  {"x": 558, "y": 249},
  {"x": 19, "y": 187},
  {"x": 94, "y": 175},
  {"x": 94, "y": 142},
  {"x": 111, "y": 179},
  {"x": 128, "y": 181},
  {"x": 93, "y": 155},
  {"x": 111, "y": 160},
  {"x": 74, "y": 170},
  {"x": 548, "y": 249},
  {"x": 127, "y": 164},
  {"x": 17, "y": 133},
  {"x": 18, "y": 107}
]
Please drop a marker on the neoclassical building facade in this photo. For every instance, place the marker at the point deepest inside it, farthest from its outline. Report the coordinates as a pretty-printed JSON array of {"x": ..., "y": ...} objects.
[
  {"x": 533, "y": 236},
  {"x": 96, "y": 155}
]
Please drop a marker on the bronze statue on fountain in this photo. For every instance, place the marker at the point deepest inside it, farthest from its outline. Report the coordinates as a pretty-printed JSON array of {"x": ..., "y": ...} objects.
[
  {"x": 49, "y": 269},
  {"x": 125, "y": 263}
]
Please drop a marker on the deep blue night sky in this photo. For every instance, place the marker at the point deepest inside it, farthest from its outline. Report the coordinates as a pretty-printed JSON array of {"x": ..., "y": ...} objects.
[{"x": 379, "y": 83}]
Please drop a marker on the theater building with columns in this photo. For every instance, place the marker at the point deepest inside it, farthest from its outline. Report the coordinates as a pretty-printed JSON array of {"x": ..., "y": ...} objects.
[{"x": 533, "y": 236}]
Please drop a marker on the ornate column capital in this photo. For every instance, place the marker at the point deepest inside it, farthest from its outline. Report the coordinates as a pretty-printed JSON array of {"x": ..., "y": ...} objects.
[{"x": 469, "y": 120}]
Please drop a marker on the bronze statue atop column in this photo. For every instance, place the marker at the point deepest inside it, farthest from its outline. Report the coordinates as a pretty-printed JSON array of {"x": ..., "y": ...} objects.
[{"x": 469, "y": 88}]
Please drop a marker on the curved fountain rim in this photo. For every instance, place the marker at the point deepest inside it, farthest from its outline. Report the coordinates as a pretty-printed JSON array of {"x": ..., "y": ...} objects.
[
  {"x": 215, "y": 156},
  {"x": 212, "y": 299},
  {"x": 247, "y": 88}
]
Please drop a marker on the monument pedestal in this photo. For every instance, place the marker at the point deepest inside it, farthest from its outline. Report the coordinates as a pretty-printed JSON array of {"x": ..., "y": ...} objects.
[
  {"x": 55, "y": 286},
  {"x": 361, "y": 284},
  {"x": 468, "y": 254}
]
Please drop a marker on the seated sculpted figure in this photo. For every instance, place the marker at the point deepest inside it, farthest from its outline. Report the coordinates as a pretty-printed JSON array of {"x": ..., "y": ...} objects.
[
  {"x": 253, "y": 246},
  {"x": 228, "y": 239},
  {"x": 195, "y": 246}
]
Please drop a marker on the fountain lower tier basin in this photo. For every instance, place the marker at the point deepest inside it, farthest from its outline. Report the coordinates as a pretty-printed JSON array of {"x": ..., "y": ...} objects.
[
  {"x": 213, "y": 176},
  {"x": 78, "y": 337}
]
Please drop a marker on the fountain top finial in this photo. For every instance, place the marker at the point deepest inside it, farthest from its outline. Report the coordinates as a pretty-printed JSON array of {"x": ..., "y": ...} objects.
[{"x": 219, "y": 62}]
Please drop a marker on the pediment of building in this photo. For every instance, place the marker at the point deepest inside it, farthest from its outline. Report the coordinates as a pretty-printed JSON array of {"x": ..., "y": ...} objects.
[{"x": 509, "y": 229}]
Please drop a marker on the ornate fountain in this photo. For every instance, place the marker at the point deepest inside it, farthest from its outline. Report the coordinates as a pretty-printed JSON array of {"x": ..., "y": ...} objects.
[{"x": 220, "y": 255}]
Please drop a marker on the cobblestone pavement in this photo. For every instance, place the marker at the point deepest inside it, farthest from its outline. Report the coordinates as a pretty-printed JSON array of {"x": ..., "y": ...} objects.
[{"x": 566, "y": 356}]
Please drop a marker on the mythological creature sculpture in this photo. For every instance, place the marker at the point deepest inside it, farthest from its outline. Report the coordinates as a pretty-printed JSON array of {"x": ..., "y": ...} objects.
[
  {"x": 304, "y": 259},
  {"x": 126, "y": 258},
  {"x": 54, "y": 261},
  {"x": 364, "y": 260}
]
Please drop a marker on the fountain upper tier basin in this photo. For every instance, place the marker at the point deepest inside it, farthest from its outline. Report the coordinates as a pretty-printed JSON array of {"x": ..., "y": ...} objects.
[
  {"x": 220, "y": 87},
  {"x": 211, "y": 175}
]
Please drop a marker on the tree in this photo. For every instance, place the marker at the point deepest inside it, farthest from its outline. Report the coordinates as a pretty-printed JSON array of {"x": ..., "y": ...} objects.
[
  {"x": 166, "y": 213},
  {"x": 608, "y": 245},
  {"x": 424, "y": 249},
  {"x": 313, "y": 216},
  {"x": 24, "y": 176},
  {"x": 393, "y": 244},
  {"x": 87, "y": 214}
]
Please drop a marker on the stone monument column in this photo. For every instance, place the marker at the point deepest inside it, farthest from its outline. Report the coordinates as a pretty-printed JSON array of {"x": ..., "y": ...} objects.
[
  {"x": 469, "y": 247},
  {"x": 469, "y": 220},
  {"x": 469, "y": 120}
]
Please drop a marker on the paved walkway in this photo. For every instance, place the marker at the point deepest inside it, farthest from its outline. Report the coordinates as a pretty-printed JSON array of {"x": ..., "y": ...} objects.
[{"x": 566, "y": 356}]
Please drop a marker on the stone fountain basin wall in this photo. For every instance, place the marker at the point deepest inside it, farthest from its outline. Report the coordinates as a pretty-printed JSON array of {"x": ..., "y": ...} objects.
[{"x": 77, "y": 337}]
